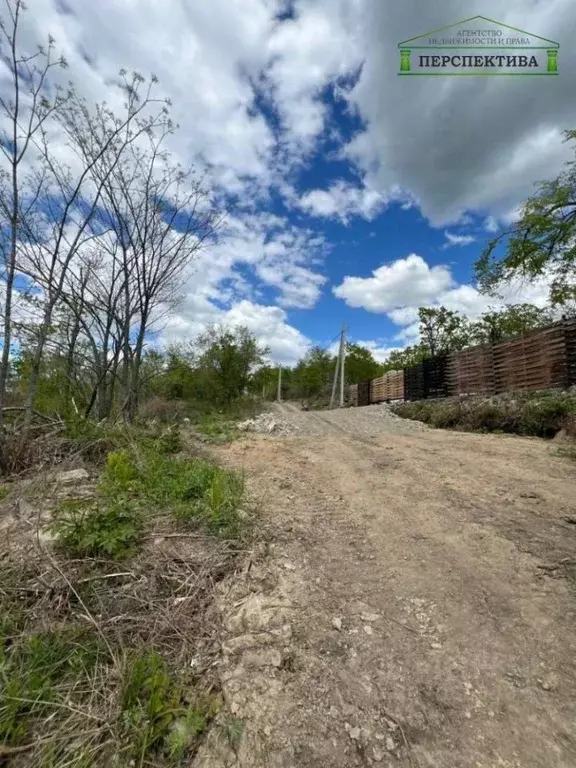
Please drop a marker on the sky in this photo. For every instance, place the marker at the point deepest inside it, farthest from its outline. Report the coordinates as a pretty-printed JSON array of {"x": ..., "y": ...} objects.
[{"x": 352, "y": 195}]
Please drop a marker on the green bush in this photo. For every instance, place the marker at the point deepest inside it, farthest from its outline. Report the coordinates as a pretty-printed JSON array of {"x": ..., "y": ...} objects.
[
  {"x": 112, "y": 529},
  {"x": 120, "y": 469},
  {"x": 484, "y": 417},
  {"x": 540, "y": 415},
  {"x": 170, "y": 441},
  {"x": 545, "y": 417},
  {"x": 444, "y": 416},
  {"x": 216, "y": 497}
]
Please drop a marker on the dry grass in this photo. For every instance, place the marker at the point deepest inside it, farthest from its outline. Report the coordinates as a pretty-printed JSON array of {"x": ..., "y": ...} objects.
[
  {"x": 75, "y": 633},
  {"x": 105, "y": 662}
]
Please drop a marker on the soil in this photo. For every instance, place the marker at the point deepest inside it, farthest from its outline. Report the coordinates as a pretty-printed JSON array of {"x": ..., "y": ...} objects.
[{"x": 411, "y": 603}]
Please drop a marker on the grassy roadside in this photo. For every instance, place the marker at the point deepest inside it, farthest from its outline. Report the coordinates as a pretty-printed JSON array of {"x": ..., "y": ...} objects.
[
  {"x": 212, "y": 424},
  {"x": 106, "y": 610},
  {"x": 541, "y": 414}
]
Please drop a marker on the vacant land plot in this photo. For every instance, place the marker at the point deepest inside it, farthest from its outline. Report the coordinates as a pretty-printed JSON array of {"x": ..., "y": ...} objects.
[{"x": 416, "y": 602}]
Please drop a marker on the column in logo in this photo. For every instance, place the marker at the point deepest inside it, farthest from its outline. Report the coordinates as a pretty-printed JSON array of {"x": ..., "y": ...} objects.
[
  {"x": 552, "y": 60},
  {"x": 405, "y": 60}
]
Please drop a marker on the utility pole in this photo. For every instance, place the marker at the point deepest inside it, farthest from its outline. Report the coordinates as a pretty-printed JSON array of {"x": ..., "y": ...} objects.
[
  {"x": 335, "y": 382},
  {"x": 279, "y": 398},
  {"x": 339, "y": 368},
  {"x": 342, "y": 360}
]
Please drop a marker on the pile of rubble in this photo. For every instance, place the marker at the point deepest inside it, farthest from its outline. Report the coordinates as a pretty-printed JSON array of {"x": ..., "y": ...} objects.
[{"x": 267, "y": 424}]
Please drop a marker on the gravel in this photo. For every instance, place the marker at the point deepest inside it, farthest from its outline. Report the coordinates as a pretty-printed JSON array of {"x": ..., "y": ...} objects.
[{"x": 369, "y": 420}]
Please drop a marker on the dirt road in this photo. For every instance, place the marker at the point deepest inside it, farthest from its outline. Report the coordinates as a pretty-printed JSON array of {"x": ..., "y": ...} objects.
[{"x": 415, "y": 605}]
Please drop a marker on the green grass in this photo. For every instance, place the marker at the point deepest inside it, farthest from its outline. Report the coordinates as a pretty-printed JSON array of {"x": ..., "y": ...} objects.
[
  {"x": 189, "y": 489},
  {"x": 154, "y": 714},
  {"x": 219, "y": 425},
  {"x": 65, "y": 679},
  {"x": 36, "y": 671},
  {"x": 142, "y": 480},
  {"x": 217, "y": 429}
]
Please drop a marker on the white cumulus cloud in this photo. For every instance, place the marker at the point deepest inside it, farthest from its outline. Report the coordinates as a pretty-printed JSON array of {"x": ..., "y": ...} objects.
[{"x": 404, "y": 282}]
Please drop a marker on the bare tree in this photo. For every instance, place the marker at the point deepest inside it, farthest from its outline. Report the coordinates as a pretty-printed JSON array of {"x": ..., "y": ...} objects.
[
  {"x": 162, "y": 216},
  {"x": 71, "y": 216},
  {"x": 25, "y": 106},
  {"x": 94, "y": 296}
]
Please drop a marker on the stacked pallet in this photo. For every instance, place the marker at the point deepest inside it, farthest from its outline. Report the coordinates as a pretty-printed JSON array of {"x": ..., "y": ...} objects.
[
  {"x": 390, "y": 386},
  {"x": 353, "y": 394}
]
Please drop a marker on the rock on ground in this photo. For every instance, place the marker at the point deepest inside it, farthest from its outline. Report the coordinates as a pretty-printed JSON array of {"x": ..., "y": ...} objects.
[{"x": 267, "y": 423}]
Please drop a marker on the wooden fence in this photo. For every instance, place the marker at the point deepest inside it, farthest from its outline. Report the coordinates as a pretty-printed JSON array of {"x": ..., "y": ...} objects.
[{"x": 543, "y": 359}]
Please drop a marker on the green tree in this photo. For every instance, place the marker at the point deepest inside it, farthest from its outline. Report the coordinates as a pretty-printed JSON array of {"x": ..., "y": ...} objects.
[
  {"x": 360, "y": 364},
  {"x": 172, "y": 374},
  {"x": 541, "y": 242},
  {"x": 442, "y": 330},
  {"x": 497, "y": 325},
  {"x": 264, "y": 382},
  {"x": 228, "y": 357},
  {"x": 313, "y": 373},
  {"x": 405, "y": 358}
]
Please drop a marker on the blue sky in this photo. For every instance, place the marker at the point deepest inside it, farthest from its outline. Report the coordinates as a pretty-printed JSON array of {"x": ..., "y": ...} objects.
[{"x": 352, "y": 195}]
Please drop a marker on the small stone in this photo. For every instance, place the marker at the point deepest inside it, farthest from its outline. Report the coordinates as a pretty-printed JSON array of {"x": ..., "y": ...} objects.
[
  {"x": 390, "y": 744},
  {"x": 267, "y": 657},
  {"x": 337, "y": 623},
  {"x": 334, "y": 711},
  {"x": 369, "y": 616},
  {"x": 435, "y": 646},
  {"x": 368, "y": 629},
  {"x": 546, "y": 685},
  {"x": 354, "y": 733},
  {"x": 72, "y": 476},
  {"x": 377, "y": 754}
]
